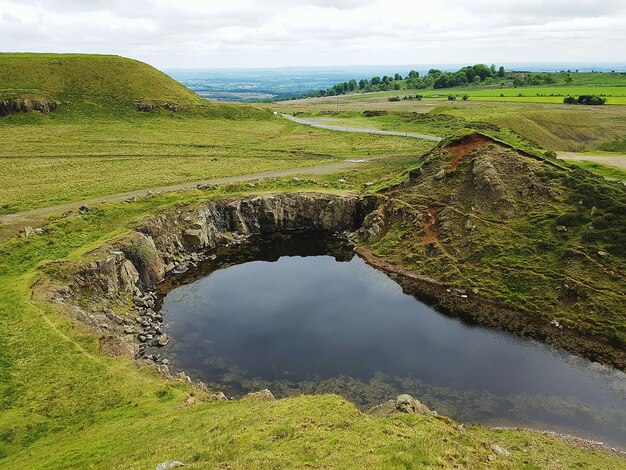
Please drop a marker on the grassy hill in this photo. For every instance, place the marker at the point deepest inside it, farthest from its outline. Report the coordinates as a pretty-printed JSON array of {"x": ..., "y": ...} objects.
[
  {"x": 95, "y": 79},
  {"x": 531, "y": 233}
]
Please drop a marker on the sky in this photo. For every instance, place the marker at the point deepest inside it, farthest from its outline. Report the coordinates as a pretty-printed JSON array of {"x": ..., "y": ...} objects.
[{"x": 279, "y": 33}]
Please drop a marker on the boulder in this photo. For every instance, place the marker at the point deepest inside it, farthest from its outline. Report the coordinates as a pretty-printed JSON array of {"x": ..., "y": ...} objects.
[{"x": 407, "y": 404}]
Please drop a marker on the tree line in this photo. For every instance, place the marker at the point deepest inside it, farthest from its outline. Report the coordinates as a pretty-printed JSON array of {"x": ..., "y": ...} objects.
[{"x": 438, "y": 79}]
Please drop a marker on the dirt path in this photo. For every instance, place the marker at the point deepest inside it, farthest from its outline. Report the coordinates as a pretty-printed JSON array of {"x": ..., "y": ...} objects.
[
  {"x": 315, "y": 123},
  {"x": 20, "y": 219},
  {"x": 618, "y": 161}
]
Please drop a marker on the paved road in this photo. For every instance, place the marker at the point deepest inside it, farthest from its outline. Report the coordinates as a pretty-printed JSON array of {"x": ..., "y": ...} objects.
[
  {"x": 310, "y": 170},
  {"x": 614, "y": 160},
  {"x": 315, "y": 123}
]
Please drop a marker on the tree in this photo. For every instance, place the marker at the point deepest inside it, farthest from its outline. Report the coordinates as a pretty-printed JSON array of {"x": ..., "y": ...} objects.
[
  {"x": 413, "y": 74},
  {"x": 375, "y": 81},
  {"x": 441, "y": 82},
  {"x": 482, "y": 71},
  {"x": 493, "y": 69},
  {"x": 352, "y": 85},
  {"x": 501, "y": 72},
  {"x": 397, "y": 77},
  {"x": 362, "y": 83},
  {"x": 434, "y": 73}
]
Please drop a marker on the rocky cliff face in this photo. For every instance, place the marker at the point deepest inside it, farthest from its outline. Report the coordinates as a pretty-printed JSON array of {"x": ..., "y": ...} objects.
[
  {"x": 23, "y": 106},
  {"x": 125, "y": 272},
  {"x": 131, "y": 267}
]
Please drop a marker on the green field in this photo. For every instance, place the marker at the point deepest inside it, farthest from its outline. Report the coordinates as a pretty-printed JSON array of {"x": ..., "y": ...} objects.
[
  {"x": 555, "y": 127},
  {"x": 82, "y": 160},
  {"x": 552, "y": 94}
]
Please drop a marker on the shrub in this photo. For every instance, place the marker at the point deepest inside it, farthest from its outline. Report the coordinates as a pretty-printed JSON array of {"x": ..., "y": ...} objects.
[
  {"x": 590, "y": 100},
  {"x": 465, "y": 97},
  {"x": 393, "y": 98},
  {"x": 451, "y": 97}
]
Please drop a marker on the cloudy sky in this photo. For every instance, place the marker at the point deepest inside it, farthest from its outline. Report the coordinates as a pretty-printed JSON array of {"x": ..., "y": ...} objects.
[{"x": 270, "y": 33}]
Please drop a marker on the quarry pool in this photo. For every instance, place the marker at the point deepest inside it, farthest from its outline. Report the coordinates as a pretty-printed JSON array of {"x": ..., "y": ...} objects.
[{"x": 302, "y": 314}]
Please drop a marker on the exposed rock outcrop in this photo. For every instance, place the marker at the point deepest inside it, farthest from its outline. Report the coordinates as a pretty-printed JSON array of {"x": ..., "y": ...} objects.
[
  {"x": 147, "y": 107},
  {"x": 23, "y": 106},
  {"x": 129, "y": 268}
]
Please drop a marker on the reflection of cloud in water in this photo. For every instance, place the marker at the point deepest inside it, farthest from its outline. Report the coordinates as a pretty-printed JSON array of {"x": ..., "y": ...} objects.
[{"x": 316, "y": 325}]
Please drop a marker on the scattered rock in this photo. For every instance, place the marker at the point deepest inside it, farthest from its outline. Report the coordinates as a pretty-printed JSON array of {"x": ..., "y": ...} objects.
[
  {"x": 263, "y": 395},
  {"x": 296, "y": 180},
  {"x": 556, "y": 324},
  {"x": 169, "y": 464},
  {"x": 84, "y": 209},
  {"x": 368, "y": 184},
  {"x": 604, "y": 254},
  {"x": 28, "y": 231},
  {"x": 500, "y": 450},
  {"x": 342, "y": 181},
  {"x": 162, "y": 341},
  {"x": 561, "y": 228},
  {"x": 206, "y": 187},
  {"x": 66, "y": 214},
  {"x": 220, "y": 396}
]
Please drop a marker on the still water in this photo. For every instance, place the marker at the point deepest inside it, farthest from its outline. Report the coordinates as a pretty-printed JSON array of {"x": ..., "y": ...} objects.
[{"x": 301, "y": 314}]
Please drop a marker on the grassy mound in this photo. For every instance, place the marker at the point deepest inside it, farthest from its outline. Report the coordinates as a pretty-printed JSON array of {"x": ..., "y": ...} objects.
[
  {"x": 529, "y": 232},
  {"x": 98, "y": 79},
  {"x": 88, "y": 86}
]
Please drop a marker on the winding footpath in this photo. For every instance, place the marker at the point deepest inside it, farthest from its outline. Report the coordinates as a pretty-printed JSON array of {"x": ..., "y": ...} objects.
[
  {"x": 25, "y": 217},
  {"x": 310, "y": 170},
  {"x": 362, "y": 130}
]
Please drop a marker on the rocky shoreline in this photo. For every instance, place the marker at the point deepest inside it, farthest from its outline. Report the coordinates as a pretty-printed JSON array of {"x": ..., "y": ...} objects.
[{"x": 126, "y": 271}]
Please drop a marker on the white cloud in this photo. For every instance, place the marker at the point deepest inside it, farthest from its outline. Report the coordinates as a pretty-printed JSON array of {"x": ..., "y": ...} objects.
[{"x": 194, "y": 33}]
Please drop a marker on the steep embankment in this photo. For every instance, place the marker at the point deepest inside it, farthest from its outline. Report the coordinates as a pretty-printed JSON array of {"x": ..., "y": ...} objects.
[{"x": 538, "y": 238}]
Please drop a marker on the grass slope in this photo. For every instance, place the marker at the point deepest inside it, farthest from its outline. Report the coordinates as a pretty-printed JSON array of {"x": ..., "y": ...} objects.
[
  {"x": 98, "y": 79},
  {"x": 487, "y": 217},
  {"x": 554, "y": 127},
  {"x": 65, "y": 404}
]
